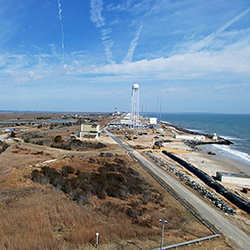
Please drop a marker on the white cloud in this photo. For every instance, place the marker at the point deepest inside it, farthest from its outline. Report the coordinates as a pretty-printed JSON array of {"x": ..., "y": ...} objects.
[
  {"x": 232, "y": 86},
  {"x": 233, "y": 59},
  {"x": 174, "y": 89},
  {"x": 96, "y": 13},
  {"x": 108, "y": 44},
  {"x": 97, "y": 18},
  {"x": 10, "y": 23},
  {"x": 207, "y": 40},
  {"x": 59, "y": 4},
  {"x": 118, "y": 7},
  {"x": 21, "y": 68}
]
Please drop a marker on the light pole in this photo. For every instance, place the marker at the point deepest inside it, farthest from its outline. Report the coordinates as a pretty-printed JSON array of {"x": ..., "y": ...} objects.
[
  {"x": 162, "y": 232},
  {"x": 97, "y": 239}
]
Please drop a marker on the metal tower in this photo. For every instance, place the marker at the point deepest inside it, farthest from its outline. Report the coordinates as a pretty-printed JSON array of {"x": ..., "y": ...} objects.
[{"x": 135, "y": 105}]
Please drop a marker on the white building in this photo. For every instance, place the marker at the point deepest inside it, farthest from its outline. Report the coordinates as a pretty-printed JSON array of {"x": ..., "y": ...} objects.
[
  {"x": 190, "y": 137},
  {"x": 153, "y": 120},
  {"x": 89, "y": 131},
  {"x": 126, "y": 122},
  {"x": 233, "y": 178}
]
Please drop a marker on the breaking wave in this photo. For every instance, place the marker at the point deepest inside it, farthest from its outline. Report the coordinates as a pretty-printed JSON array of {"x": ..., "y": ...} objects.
[{"x": 234, "y": 153}]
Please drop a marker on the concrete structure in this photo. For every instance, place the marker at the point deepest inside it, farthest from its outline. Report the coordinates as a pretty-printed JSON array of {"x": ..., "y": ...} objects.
[
  {"x": 233, "y": 178},
  {"x": 135, "y": 105},
  {"x": 127, "y": 116},
  {"x": 153, "y": 120},
  {"x": 190, "y": 137},
  {"x": 90, "y": 131},
  {"x": 126, "y": 122}
]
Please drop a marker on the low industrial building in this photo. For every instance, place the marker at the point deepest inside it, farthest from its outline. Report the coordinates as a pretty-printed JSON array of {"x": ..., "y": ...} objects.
[
  {"x": 126, "y": 122},
  {"x": 153, "y": 120},
  {"x": 89, "y": 131},
  {"x": 190, "y": 137},
  {"x": 233, "y": 178}
]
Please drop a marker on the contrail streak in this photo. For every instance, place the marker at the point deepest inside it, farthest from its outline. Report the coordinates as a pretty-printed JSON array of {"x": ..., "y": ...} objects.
[
  {"x": 133, "y": 45},
  {"x": 204, "y": 42},
  {"x": 96, "y": 9},
  {"x": 62, "y": 28},
  {"x": 108, "y": 44}
]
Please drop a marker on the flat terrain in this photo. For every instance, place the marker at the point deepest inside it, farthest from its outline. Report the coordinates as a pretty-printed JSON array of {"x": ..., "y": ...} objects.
[
  {"x": 35, "y": 214},
  {"x": 43, "y": 207},
  {"x": 53, "y": 220}
]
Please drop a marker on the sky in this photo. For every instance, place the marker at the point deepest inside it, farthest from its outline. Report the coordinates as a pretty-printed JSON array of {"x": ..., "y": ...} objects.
[{"x": 84, "y": 55}]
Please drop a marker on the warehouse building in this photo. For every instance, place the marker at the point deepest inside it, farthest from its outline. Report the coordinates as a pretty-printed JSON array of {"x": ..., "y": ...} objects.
[
  {"x": 233, "y": 178},
  {"x": 89, "y": 131},
  {"x": 190, "y": 137},
  {"x": 153, "y": 120}
]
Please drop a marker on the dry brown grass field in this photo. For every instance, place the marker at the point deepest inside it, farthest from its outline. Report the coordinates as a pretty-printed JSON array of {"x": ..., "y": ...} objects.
[
  {"x": 35, "y": 216},
  {"x": 40, "y": 216}
]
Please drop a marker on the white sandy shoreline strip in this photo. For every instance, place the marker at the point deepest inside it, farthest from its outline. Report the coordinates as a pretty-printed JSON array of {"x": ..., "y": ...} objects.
[{"x": 225, "y": 153}]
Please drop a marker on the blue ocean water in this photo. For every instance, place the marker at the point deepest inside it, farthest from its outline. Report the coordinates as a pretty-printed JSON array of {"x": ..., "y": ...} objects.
[{"x": 234, "y": 127}]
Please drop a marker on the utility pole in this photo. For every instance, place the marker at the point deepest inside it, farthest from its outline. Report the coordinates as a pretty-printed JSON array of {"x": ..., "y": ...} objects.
[
  {"x": 162, "y": 232},
  {"x": 97, "y": 239}
]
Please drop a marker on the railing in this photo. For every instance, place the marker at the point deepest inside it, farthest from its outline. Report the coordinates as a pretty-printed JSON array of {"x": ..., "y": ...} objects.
[{"x": 189, "y": 242}]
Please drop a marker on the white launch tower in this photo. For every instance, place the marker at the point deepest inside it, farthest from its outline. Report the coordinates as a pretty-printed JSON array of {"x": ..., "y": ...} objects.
[{"x": 135, "y": 105}]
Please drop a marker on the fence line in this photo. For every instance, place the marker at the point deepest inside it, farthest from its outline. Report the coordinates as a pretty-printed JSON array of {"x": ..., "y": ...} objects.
[{"x": 190, "y": 242}]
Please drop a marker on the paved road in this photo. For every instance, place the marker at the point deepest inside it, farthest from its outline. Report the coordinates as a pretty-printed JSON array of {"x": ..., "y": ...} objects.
[{"x": 222, "y": 224}]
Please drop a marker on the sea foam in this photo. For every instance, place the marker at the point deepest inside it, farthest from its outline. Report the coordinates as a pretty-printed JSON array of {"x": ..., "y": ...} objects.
[{"x": 234, "y": 153}]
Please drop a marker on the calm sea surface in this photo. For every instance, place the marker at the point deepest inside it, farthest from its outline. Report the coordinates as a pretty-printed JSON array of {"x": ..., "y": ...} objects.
[{"x": 236, "y": 128}]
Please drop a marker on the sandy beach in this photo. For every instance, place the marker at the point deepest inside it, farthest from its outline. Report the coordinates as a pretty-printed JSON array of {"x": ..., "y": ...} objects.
[
  {"x": 204, "y": 161},
  {"x": 236, "y": 165},
  {"x": 202, "y": 157},
  {"x": 211, "y": 163}
]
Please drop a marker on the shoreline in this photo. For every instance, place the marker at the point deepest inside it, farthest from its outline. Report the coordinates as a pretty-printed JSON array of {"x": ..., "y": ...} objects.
[
  {"x": 235, "y": 163},
  {"x": 205, "y": 164},
  {"x": 222, "y": 141},
  {"x": 233, "y": 160},
  {"x": 212, "y": 183},
  {"x": 156, "y": 140}
]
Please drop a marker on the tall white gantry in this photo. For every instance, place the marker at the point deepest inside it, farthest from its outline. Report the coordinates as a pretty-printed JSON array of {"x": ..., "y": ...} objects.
[{"x": 135, "y": 105}]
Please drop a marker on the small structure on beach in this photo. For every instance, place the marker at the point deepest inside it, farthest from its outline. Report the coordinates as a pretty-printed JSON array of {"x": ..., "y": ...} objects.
[
  {"x": 89, "y": 131},
  {"x": 233, "y": 178},
  {"x": 215, "y": 137}
]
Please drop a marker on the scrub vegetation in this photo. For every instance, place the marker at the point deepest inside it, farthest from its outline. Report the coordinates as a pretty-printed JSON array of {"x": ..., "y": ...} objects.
[{"x": 63, "y": 205}]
